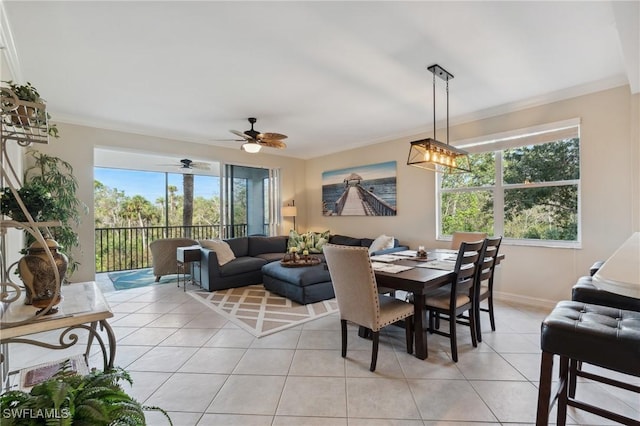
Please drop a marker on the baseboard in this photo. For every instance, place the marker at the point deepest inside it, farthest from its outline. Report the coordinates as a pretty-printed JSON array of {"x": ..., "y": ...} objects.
[{"x": 524, "y": 300}]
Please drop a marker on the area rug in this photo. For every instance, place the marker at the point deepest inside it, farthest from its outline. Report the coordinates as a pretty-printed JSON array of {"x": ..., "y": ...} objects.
[
  {"x": 261, "y": 312},
  {"x": 124, "y": 280}
]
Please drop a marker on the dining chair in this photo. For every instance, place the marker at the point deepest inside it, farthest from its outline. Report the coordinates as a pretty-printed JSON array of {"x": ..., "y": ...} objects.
[
  {"x": 359, "y": 302},
  {"x": 458, "y": 237},
  {"x": 458, "y": 297},
  {"x": 484, "y": 282}
]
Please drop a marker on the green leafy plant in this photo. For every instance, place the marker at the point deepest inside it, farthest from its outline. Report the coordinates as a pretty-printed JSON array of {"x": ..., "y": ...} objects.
[
  {"x": 69, "y": 398},
  {"x": 36, "y": 198},
  {"x": 27, "y": 92},
  {"x": 56, "y": 177}
]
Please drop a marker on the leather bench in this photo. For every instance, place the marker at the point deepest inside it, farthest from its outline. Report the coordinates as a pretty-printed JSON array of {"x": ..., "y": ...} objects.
[{"x": 599, "y": 335}]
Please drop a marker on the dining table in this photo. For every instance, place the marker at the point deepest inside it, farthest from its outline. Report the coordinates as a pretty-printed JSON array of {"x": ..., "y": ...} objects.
[
  {"x": 424, "y": 275},
  {"x": 419, "y": 281}
]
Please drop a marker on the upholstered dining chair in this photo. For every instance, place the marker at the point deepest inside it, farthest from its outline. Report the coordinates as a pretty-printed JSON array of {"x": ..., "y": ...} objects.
[
  {"x": 356, "y": 290},
  {"x": 484, "y": 283},
  {"x": 458, "y": 297},
  {"x": 458, "y": 237}
]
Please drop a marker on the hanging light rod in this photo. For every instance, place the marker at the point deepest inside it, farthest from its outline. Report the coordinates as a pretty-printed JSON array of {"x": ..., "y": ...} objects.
[{"x": 432, "y": 154}]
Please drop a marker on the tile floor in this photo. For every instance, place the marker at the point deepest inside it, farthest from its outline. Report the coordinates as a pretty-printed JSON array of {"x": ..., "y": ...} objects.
[{"x": 205, "y": 370}]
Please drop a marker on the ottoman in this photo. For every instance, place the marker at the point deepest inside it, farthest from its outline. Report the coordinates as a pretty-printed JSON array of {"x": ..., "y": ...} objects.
[{"x": 307, "y": 284}]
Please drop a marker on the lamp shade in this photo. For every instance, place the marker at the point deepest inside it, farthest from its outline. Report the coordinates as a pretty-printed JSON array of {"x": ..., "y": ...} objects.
[
  {"x": 251, "y": 147},
  {"x": 431, "y": 154},
  {"x": 289, "y": 211}
]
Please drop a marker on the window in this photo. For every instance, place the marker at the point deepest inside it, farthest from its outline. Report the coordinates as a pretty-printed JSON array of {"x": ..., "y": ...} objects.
[{"x": 524, "y": 185}]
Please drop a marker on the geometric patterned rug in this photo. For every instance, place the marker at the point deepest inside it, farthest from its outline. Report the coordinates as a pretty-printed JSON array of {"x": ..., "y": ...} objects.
[{"x": 261, "y": 312}]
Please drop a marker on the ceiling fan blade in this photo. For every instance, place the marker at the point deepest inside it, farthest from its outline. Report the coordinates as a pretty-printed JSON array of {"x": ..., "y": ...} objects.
[
  {"x": 242, "y": 135},
  {"x": 201, "y": 166},
  {"x": 276, "y": 136},
  {"x": 272, "y": 143}
]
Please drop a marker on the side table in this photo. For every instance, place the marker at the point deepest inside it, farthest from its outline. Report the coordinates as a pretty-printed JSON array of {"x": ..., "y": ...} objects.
[{"x": 186, "y": 255}]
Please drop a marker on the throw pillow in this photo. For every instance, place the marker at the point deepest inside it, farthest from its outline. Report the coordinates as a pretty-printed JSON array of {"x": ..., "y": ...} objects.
[
  {"x": 295, "y": 240},
  {"x": 222, "y": 249},
  {"x": 316, "y": 241},
  {"x": 381, "y": 243}
]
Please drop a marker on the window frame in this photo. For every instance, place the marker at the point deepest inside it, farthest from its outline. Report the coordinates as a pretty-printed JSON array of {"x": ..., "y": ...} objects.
[{"x": 497, "y": 144}]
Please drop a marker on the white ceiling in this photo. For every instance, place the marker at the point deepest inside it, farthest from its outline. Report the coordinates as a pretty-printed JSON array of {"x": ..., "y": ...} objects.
[{"x": 330, "y": 74}]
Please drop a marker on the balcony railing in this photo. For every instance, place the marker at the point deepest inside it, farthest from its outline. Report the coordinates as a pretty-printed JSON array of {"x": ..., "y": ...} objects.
[{"x": 119, "y": 249}]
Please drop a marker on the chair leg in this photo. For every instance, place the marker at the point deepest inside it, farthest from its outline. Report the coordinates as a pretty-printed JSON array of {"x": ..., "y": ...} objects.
[
  {"x": 573, "y": 370},
  {"x": 452, "y": 337},
  {"x": 491, "y": 317},
  {"x": 343, "y": 327},
  {"x": 374, "y": 350},
  {"x": 158, "y": 278},
  {"x": 472, "y": 325},
  {"x": 563, "y": 391},
  {"x": 544, "y": 390},
  {"x": 408, "y": 328},
  {"x": 431, "y": 314},
  {"x": 478, "y": 326}
]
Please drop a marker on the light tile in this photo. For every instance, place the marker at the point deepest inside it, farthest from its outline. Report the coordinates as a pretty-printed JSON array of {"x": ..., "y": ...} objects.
[
  {"x": 510, "y": 402},
  {"x": 144, "y": 384},
  {"x": 286, "y": 339},
  {"x": 178, "y": 418},
  {"x": 213, "y": 360},
  {"x": 449, "y": 400},
  {"x": 438, "y": 365},
  {"x": 487, "y": 366},
  {"x": 313, "y": 396},
  {"x": 172, "y": 320},
  {"x": 324, "y": 363},
  {"x": 135, "y": 320},
  {"x": 164, "y": 359},
  {"x": 270, "y": 362},
  {"x": 369, "y": 398},
  {"x": 146, "y": 336},
  {"x": 309, "y": 421},
  {"x": 187, "y": 392},
  {"x": 320, "y": 339},
  {"x": 235, "y": 420},
  {"x": 248, "y": 395},
  {"x": 229, "y": 338},
  {"x": 357, "y": 364},
  {"x": 189, "y": 337}
]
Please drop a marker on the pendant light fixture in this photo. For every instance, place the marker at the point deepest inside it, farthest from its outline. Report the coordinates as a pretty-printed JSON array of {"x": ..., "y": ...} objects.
[{"x": 432, "y": 154}]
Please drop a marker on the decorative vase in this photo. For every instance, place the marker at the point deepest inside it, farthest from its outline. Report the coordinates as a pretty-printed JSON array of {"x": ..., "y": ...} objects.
[{"x": 38, "y": 275}]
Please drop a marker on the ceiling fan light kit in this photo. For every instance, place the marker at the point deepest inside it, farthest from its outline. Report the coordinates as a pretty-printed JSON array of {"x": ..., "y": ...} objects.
[
  {"x": 432, "y": 154},
  {"x": 251, "y": 147}
]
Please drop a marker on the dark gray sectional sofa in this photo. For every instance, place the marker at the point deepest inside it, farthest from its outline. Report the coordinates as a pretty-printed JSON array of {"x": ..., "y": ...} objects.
[{"x": 254, "y": 252}]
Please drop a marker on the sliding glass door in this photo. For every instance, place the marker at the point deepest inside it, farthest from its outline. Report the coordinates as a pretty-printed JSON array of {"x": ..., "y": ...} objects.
[{"x": 250, "y": 201}]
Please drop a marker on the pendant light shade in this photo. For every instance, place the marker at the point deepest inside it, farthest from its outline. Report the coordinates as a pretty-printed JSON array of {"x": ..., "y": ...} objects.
[
  {"x": 251, "y": 147},
  {"x": 432, "y": 154}
]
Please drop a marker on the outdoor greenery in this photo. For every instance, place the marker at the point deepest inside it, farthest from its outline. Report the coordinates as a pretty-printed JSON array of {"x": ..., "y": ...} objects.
[
  {"x": 540, "y": 192},
  {"x": 126, "y": 224},
  {"x": 69, "y": 398}
]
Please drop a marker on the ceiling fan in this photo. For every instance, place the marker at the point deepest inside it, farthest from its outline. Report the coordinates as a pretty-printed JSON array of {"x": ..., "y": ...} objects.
[
  {"x": 254, "y": 140},
  {"x": 187, "y": 164}
]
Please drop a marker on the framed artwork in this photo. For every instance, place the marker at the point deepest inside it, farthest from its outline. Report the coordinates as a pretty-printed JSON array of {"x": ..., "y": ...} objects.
[{"x": 360, "y": 191}]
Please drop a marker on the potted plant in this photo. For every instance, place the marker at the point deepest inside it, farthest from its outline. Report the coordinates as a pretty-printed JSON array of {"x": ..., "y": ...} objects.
[
  {"x": 69, "y": 398},
  {"x": 24, "y": 114},
  {"x": 56, "y": 176}
]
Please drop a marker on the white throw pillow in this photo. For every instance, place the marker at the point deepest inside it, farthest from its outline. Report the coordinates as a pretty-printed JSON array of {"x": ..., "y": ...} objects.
[
  {"x": 222, "y": 249},
  {"x": 381, "y": 243}
]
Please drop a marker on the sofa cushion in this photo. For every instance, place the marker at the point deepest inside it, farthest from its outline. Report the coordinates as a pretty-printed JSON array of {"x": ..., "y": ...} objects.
[
  {"x": 343, "y": 240},
  {"x": 271, "y": 257},
  {"x": 242, "y": 265},
  {"x": 262, "y": 245},
  {"x": 240, "y": 246},
  {"x": 381, "y": 243},
  {"x": 222, "y": 249},
  {"x": 308, "y": 275}
]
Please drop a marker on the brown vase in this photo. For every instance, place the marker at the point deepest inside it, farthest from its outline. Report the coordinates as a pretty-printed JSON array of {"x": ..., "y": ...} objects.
[{"x": 37, "y": 273}]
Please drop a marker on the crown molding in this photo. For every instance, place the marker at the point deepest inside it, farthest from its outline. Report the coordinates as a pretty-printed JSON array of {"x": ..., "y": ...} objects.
[{"x": 8, "y": 47}]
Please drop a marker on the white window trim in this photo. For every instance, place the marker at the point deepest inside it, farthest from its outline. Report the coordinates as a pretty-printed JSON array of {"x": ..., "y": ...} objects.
[{"x": 498, "y": 142}]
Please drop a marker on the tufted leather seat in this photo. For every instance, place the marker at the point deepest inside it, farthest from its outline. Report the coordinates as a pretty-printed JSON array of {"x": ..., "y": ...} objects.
[
  {"x": 585, "y": 291},
  {"x": 599, "y": 335}
]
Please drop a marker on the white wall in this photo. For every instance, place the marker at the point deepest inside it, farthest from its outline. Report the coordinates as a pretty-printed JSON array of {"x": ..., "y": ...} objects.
[
  {"x": 610, "y": 182},
  {"x": 76, "y": 145}
]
